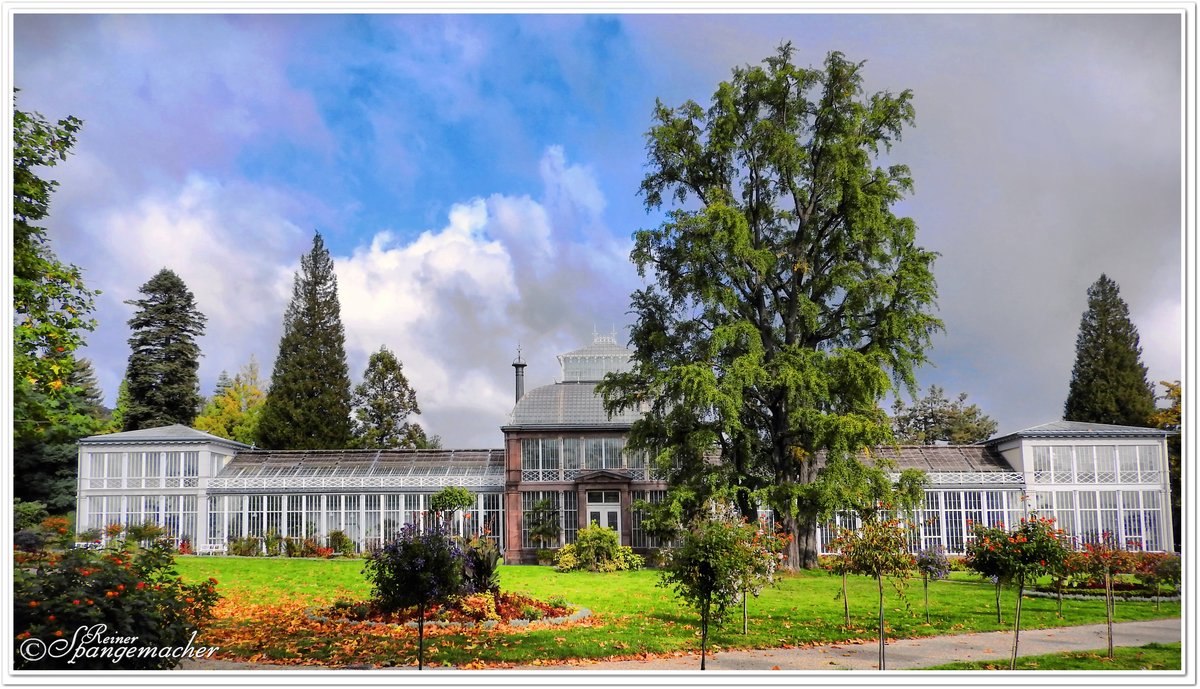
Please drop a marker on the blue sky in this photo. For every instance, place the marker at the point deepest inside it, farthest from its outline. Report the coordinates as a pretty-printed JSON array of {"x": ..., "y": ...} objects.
[{"x": 476, "y": 178}]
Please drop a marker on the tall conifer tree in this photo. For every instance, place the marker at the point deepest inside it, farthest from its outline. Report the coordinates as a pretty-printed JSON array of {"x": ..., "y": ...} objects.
[
  {"x": 382, "y": 404},
  {"x": 308, "y": 405},
  {"x": 161, "y": 378},
  {"x": 1108, "y": 383}
]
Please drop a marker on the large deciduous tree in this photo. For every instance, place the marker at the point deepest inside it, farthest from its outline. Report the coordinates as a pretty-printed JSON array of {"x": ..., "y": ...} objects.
[
  {"x": 1170, "y": 418},
  {"x": 383, "y": 403},
  {"x": 51, "y": 304},
  {"x": 934, "y": 418},
  {"x": 234, "y": 410},
  {"x": 162, "y": 376},
  {"x": 785, "y": 297},
  {"x": 308, "y": 404},
  {"x": 1108, "y": 383}
]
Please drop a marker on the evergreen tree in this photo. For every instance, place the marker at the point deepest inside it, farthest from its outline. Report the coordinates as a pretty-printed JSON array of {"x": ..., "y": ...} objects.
[
  {"x": 934, "y": 418},
  {"x": 162, "y": 379},
  {"x": 45, "y": 465},
  {"x": 223, "y": 383},
  {"x": 1108, "y": 383},
  {"x": 117, "y": 422},
  {"x": 382, "y": 404},
  {"x": 308, "y": 405}
]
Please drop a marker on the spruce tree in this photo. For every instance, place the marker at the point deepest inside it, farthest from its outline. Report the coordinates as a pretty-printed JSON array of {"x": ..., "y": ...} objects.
[
  {"x": 1108, "y": 383},
  {"x": 308, "y": 404},
  {"x": 383, "y": 403},
  {"x": 161, "y": 378}
]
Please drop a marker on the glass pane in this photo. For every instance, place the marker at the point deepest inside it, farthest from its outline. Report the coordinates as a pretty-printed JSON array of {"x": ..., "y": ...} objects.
[
  {"x": 550, "y": 454},
  {"x": 612, "y": 519},
  {"x": 570, "y": 453}
]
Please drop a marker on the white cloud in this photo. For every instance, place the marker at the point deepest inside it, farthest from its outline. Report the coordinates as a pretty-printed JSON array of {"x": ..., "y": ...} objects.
[
  {"x": 454, "y": 302},
  {"x": 231, "y": 244}
]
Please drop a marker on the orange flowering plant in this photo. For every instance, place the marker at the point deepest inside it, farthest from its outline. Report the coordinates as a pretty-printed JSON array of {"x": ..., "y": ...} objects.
[
  {"x": 1030, "y": 549},
  {"x": 134, "y": 592}
]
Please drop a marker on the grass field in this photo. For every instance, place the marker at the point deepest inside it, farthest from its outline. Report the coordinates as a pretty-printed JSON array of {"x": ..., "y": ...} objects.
[
  {"x": 263, "y": 616},
  {"x": 1149, "y": 657}
]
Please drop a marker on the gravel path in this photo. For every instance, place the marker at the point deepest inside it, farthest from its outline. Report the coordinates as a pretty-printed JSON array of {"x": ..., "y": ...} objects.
[{"x": 902, "y": 654}]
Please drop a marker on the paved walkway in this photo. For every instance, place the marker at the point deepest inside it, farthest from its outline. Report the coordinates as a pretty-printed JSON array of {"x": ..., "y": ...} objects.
[{"x": 902, "y": 654}]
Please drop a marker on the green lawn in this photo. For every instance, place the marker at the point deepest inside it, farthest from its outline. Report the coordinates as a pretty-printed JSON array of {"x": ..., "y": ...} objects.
[
  {"x": 1149, "y": 657},
  {"x": 631, "y": 615}
]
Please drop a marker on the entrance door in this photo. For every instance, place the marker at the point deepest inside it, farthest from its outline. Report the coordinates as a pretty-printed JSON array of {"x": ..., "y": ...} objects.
[{"x": 604, "y": 508}]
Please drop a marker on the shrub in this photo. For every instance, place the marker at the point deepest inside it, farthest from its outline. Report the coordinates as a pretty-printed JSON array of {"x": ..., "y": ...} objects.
[
  {"x": 530, "y": 612},
  {"x": 415, "y": 570},
  {"x": 595, "y": 544},
  {"x": 565, "y": 559},
  {"x": 1154, "y": 570},
  {"x": 273, "y": 543},
  {"x": 29, "y": 540},
  {"x": 135, "y": 593},
  {"x": 248, "y": 546},
  {"x": 481, "y": 562},
  {"x": 354, "y": 610},
  {"x": 293, "y": 547},
  {"x": 629, "y": 560},
  {"x": 340, "y": 542},
  {"x": 479, "y": 606},
  {"x": 145, "y": 532},
  {"x": 27, "y": 515}
]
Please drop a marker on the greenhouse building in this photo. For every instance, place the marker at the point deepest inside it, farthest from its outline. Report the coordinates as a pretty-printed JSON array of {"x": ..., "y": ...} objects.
[{"x": 564, "y": 460}]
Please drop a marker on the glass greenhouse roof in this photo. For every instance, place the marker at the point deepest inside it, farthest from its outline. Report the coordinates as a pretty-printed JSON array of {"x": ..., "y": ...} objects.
[
  {"x": 363, "y": 463},
  {"x": 567, "y": 404}
]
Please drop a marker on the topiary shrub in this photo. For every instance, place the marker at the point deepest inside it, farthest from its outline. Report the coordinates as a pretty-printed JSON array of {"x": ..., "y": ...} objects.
[
  {"x": 132, "y": 593},
  {"x": 415, "y": 570}
]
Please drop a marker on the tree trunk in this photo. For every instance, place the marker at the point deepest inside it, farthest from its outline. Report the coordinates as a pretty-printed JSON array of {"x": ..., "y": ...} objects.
[
  {"x": 845, "y": 599},
  {"x": 882, "y": 640},
  {"x": 926, "y": 579},
  {"x": 791, "y": 526},
  {"x": 807, "y": 538},
  {"x": 703, "y": 635},
  {"x": 1017, "y": 624},
  {"x": 745, "y": 614},
  {"x": 1109, "y": 604},
  {"x": 998, "y": 619},
  {"x": 421, "y": 636}
]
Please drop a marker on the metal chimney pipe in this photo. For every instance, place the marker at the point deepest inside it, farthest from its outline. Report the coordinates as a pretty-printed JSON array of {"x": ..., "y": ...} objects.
[{"x": 519, "y": 365}]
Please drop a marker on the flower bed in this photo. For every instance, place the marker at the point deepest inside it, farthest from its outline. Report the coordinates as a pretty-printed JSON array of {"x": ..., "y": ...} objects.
[{"x": 483, "y": 609}]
